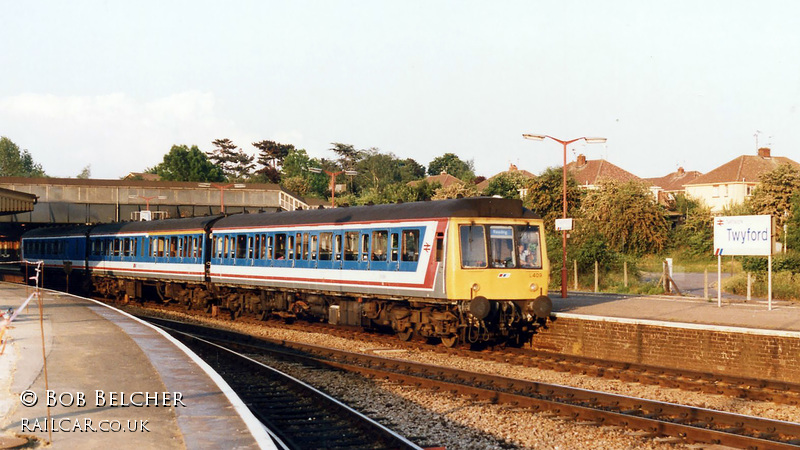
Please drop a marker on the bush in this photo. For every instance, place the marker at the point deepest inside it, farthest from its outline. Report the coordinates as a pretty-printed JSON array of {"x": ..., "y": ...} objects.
[
  {"x": 788, "y": 262},
  {"x": 785, "y": 285}
]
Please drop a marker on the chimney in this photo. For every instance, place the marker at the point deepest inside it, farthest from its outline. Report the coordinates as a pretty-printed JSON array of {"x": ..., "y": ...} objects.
[
  {"x": 681, "y": 171},
  {"x": 763, "y": 152},
  {"x": 512, "y": 168},
  {"x": 581, "y": 160}
]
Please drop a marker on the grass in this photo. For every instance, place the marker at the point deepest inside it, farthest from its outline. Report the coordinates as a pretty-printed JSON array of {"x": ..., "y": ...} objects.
[{"x": 785, "y": 285}]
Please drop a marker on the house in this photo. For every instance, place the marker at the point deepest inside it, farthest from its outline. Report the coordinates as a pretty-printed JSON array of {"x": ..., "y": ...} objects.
[
  {"x": 512, "y": 170},
  {"x": 668, "y": 186},
  {"x": 589, "y": 172},
  {"x": 734, "y": 181},
  {"x": 444, "y": 179}
]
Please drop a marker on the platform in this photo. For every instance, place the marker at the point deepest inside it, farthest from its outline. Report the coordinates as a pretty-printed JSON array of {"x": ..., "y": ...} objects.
[
  {"x": 740, "y": 338},
  {"x": 116, "y": 382},
  {"x": 734, "y": 312}
]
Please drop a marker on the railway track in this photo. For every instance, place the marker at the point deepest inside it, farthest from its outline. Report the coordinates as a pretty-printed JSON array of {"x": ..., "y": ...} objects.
[
  {"x": 298, "y": 415},
  {"x": 678, "y": 423}
]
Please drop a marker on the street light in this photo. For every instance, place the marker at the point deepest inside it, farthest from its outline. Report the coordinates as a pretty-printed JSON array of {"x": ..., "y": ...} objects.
[
  {"x": 589, "y": 140},
  {"x": 333, "y": 175},
  {"x": 222, "y": 188}
]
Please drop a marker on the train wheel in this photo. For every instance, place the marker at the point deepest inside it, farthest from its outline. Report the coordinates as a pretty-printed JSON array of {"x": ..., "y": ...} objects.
[
  {"x": 405, "y": 335},
  {"x": 450, "y": 341}
]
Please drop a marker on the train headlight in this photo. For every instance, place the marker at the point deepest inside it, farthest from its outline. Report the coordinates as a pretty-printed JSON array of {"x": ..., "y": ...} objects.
[
  {"x": 534, "y": 287},
  {"x": 476, "y": 287}
]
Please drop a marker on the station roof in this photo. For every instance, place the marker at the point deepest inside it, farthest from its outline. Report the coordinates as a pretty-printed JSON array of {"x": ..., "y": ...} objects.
[{"x": 13, "y": 202}]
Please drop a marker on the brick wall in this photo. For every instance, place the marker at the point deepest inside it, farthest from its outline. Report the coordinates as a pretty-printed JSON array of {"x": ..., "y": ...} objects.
[{"x": 734, "y": 351}]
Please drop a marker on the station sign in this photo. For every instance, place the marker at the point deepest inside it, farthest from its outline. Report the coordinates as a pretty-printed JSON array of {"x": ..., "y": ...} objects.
[
  {"x": 563, "y": 224},
  {"x": 743, "y": 235}
]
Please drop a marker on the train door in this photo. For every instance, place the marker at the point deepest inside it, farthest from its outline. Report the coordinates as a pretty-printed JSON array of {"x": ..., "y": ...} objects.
[
  {"x": 410, "y": 240},
  {"x": 356, "y": 250},
  {"x": 327, "y": 258},
  {"x": 380, "y": 252}
]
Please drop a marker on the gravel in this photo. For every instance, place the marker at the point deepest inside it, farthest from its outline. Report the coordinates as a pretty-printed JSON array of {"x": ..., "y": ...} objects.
[{"x": 445, "y": 420}]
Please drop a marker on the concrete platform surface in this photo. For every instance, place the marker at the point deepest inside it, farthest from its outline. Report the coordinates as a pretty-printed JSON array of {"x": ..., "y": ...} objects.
[
  {"x": 112, "y": 382},
  {"x": 753, "y": 314}
]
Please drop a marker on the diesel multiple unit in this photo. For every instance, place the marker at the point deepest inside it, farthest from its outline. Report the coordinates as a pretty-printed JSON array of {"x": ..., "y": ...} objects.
[{"x": 462, "y": 270}]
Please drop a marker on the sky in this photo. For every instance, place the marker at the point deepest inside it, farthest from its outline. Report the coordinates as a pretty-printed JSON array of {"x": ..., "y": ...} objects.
[{"x": 113, "y": 85}]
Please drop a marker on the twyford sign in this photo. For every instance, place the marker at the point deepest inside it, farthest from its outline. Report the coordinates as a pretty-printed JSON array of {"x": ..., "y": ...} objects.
[{"x": 743, "y": 235}]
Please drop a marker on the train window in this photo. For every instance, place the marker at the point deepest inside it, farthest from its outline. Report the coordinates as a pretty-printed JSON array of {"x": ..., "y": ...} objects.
[
  {"x": 256, "y": 251},
  {"x": 351, "y": 246},
  {"x": 473, "y": 246},
  {"x": 161, "y": 246},
  {"x": 250, "y": 247},
  {"x": 501, "y": 240},
  {"x": 269, "y": 247},
  {"x": 264, "y": 246},
  {"x": 410, "y": 245},
  {"x": 325, "y": 246},
  {"x": 299, "y": 250},
  {"x": 126, "y": 247},
  {"x": 117, "y": 247},
  {"x": 219, "y": 246},
  {"x": 173, "y": 246},
  {"x": 280, "y": 246},
  {"x": 439, "y": 246},
  {"x": 313, "y": 246},
  {"x": 305, "y": 245},
  {"x": 395, "y": 246},
  {"x": 337, "y": 247},
  {"x": 364, "y": 247},
  {"x": 528, "y": 248},
  {"x": 289, "y": 246},
  {"x": 241, "y": 246},
  {"x": 380, "y": 243}
]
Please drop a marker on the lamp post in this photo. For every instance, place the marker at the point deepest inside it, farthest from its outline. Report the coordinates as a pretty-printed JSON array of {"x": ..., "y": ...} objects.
[
  {"x": 589, "y": 140},
  {"x": 332, "y": 175},
  {"x": 222, "y": 188}
]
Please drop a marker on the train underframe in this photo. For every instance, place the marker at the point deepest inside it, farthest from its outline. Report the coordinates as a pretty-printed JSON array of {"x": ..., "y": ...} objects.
[{"x": 469, "y": 321}]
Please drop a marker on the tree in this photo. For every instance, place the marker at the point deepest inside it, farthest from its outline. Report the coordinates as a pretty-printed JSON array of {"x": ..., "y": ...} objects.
[
  {"x": 774, "y": 193},
  {"x": 348, "y": 155},
  {"x": 793, "y": 224},
  {"x": 452, "y": 164},
  {"x": 411, "y": 170},
  {"x": 187, "y": 164},
  {"x": 456, "y": 190},
  {"x": 226, "y": 157},
  {"x": 627, "y": 216},
  {"x": 86, "y": 173},
  {"x": 506, "y": 185},
  {"x": 16, "y": 163},
  {"x": 546, "y": 198},
  {"x": 270, "y": 158}
]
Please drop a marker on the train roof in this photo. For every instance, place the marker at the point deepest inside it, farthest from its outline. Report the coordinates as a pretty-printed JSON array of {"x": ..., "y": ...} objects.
[
  {"x": 463, "y": 207},
  {"x": 58, "y": 231},
  {"x": 189, "y": 223}
]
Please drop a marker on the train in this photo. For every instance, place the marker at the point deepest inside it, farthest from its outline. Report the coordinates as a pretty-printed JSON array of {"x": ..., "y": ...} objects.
[{"x": 468, "y": 270}]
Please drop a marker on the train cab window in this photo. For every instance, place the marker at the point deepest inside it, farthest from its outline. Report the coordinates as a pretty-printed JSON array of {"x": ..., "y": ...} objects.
[
  {"x": 410, "y": 245},
  {"x": 305, "y": 245},
  {"x": 280, "y": 246},
  {"x": 325, "y": 246},
  {"x": 241, "y": 246},
  {"x": 501, "y": 240},
  {"x": 313, "y": 247},
  {"x": 528, "y": 248},
  {"x": 395, "y": 246},
  {"x": 351, "y": 246},
  {"x": 473, "y": 246},
  {"x": 380, "y": 242}
]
